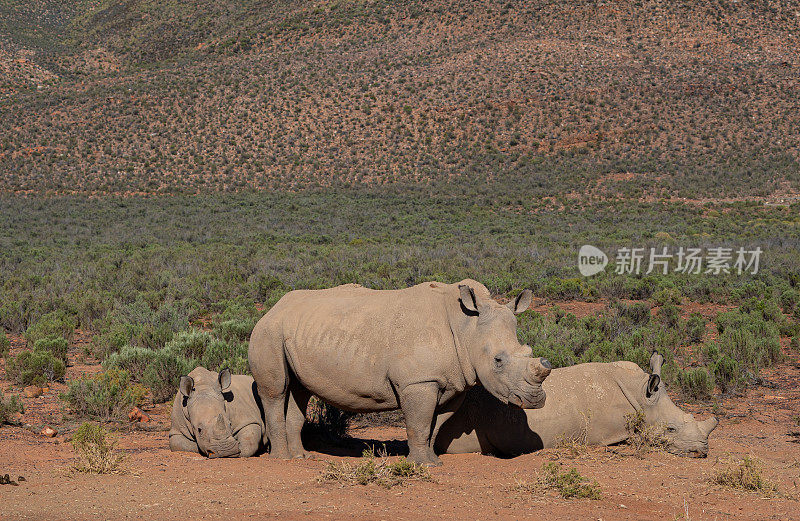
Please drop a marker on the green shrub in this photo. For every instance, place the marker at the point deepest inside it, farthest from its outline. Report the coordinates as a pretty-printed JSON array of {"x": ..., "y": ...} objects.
[
  {"x": 5, "y": 344},
  {"x": 9, "y": 407},
  {"x": 12, "y": 316},
  {"x": 221, "y": 353},
  {"x": 667, "y": 296},
  {"x": 57, "y": 346},
  {"x": 234, "y": 329},
  {"x": 35, "y": 368},
  {"x": 56, "y": 323},
  {"x": 133, "y": 359},
  {"x": 727, "y": 373},
  {"x": 96, "y": 449},
  {"x": 106, "y": 396},
  {"x": 789, "y": 300},
  {"x": 695, "y": 328},
  {"x": 190, "y": 344},
  {"x": 164, "y": 373},
  {"x": 696, "y": 382},
  {"x": 669, "y": 315}
]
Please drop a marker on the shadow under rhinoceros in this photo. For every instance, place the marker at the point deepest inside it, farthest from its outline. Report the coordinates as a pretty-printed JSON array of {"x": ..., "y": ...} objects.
[{"x": 352, "y": 447}]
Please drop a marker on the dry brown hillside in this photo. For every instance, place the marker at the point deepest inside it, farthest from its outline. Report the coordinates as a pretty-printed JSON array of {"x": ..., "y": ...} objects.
[{"x": 692, "y": 99}]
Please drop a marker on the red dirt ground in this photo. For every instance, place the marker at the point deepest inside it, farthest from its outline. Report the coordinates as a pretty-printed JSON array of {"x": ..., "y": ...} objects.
[{"x": 160, "y": 484}]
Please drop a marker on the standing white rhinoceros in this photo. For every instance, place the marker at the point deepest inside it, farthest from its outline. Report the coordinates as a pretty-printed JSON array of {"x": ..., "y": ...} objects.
[
  {"x": 585, "y": 399},
  {"x": 216, "y": 415},
  {"x": 363, "y": 350}
]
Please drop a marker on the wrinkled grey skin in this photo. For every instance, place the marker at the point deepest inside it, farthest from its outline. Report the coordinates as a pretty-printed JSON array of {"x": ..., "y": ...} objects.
[
  {"x": 362, "y": 350},
  {"x": 586, "y": 398},
  {"x": 216, "y": 415}
]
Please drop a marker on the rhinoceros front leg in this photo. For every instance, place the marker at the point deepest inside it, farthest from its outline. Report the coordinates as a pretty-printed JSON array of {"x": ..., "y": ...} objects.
[
  {"x": 249, "y": 439},
  {"x": 180, "y": 443},
  {"x": 418, "y": 402}
]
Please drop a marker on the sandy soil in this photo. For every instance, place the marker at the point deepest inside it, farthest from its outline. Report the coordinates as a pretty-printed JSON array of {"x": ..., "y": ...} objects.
[{"x": 160, "y": 484}]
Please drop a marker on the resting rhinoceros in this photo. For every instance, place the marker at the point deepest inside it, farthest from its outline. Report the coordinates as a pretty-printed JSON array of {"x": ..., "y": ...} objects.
[
  {"x": 216, "y": 415},
  {"x": 362, "y": 350},
  {"x": 590, "y": 399}
]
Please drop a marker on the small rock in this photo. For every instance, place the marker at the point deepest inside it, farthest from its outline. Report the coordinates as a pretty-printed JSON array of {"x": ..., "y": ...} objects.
[
  {"x": 49, "y": 432},
  {"x": 33, "y": 391},
  {"x": 136, "y": 415}
]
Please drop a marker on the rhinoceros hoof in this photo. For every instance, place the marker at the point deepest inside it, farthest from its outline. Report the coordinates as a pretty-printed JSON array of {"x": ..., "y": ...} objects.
[{"x": 302, "y": 455}]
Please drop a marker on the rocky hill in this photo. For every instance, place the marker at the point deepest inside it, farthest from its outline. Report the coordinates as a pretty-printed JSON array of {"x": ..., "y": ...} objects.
[{"x": 584, "y": 98}]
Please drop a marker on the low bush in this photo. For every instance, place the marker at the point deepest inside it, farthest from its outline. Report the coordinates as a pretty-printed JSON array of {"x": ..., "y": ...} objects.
[
  {"x": 190, "y": 344},
  {"x": 133, "y": 359},
  {"x": 5, "y": 344},
  {"x": 696, "y": 382},
  {"x": 96, "y": 450},
  {"x": 669, "y": 315},
  {"x": 234, "y": 329},
  {"x": 230, "y": 354},
  {"x": 164, "y": 372},
  {"x": 57, "y": 323},
  {"x": 106, "y": 396},
  {"x": 55, "y": 345},
  {"x": 789, "y": 301},
  {"x": 9, "y": 407},
  {"x": 695, "y": 328},
  {"x": 35, "y": 368}
]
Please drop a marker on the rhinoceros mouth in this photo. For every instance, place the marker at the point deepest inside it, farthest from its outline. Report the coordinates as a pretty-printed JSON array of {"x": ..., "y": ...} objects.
[
  {"x": 533, "y": 399},
  {"x": 223, "y": 449}
]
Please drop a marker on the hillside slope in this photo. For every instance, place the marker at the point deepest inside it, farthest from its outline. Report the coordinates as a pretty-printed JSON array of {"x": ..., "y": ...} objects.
[{"x": 645, "y": 99}]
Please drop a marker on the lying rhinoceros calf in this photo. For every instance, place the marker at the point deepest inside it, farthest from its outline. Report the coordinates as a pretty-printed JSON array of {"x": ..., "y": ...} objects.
[
  {"x": 417, "y": 349},
  {"x": 216, "y": 415},
  {"x": 586, "y": 398}
]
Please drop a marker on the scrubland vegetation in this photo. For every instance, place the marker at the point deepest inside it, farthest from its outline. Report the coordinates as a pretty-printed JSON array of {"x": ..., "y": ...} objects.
[{"x": 165, "y": 284}]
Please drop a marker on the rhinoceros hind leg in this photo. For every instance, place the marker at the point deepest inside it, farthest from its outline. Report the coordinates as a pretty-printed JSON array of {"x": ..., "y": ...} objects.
[
  {"x": 418, "y": 402},
  {"x": 295, "y": 419}
]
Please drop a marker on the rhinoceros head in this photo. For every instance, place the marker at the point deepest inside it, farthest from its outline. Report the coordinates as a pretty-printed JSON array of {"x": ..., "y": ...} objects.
[
  {"x": 687, "y": 436},
  {"x": 204, "y": 404},
  {"x": 504, "y": 367}
]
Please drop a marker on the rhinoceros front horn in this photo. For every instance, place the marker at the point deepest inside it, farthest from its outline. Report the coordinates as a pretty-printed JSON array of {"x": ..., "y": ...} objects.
[
  {"x": 540, "y": 368},
  {"x": 706, "y": 426}
]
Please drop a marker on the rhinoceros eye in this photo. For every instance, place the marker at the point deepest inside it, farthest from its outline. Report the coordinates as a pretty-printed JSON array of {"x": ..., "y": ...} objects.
[
  {"x": 499, "y": 360},
  {"x": 671, "y": 428}
]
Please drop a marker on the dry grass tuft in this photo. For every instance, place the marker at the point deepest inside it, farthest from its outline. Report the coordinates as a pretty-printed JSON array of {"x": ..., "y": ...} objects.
[
  {"x": 642, "y": 437},
  {"x": 375, "y": 469},
  {"x": 97, "y": 450},
  {"x": 568, "y": 484},
  {"x": 745, "y": 475}
]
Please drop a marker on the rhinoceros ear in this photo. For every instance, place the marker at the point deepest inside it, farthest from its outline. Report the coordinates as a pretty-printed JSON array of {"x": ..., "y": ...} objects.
[
  {"x": 225, "y": 379},
  {"x": 656, "y": 361},
  {"x": 186, "y": 385},
  {"x": 468, "y": 299},
  {"x": 652, "y": 385},
  {"x": 521, "y": 303}
]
